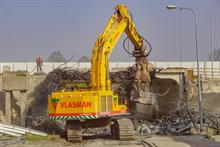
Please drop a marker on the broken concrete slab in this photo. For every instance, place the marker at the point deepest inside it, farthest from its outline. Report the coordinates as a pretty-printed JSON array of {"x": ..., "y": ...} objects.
[{"x": 12, "y": 81}]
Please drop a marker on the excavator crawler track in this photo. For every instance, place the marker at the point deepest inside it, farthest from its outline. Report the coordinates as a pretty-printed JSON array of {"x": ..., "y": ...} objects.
[
  {"x": 73, "y": 131},
  {"x": 122, "y": 129}
]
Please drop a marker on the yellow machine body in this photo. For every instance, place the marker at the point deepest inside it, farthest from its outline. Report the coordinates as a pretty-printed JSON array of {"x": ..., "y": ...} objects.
[{"x": 84, "y": 105}]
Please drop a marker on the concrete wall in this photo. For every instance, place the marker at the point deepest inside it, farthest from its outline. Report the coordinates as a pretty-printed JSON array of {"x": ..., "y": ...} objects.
[
  {"x": 15, "y": 89},
  {"x": 205, "y": 67},
  {"x": 2, "y": 106}
]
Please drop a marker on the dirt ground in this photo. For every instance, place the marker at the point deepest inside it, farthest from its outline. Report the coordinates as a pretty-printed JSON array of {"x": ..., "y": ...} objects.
[
  {"x": 56, "y": 141},
  {"x": 139, "y": 141}
]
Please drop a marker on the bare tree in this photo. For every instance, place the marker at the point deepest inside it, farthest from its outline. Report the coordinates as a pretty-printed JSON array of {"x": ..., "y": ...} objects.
[
  {"x": 84, "y": 59},
  {"x": 216, "y": 55},
  {"x": 56, "y": 56}
]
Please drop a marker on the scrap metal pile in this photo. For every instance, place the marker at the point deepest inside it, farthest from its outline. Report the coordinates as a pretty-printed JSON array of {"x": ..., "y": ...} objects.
[
  {"x": 60, "y": 77},
  {"x": 180, "y": 122}
]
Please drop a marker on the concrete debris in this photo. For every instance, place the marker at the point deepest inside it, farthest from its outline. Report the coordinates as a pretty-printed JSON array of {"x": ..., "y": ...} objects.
[
  {"x": 182, "y": 120},
  {"x": 103, "y": 131},
  {"x": 44, "y": 124}
]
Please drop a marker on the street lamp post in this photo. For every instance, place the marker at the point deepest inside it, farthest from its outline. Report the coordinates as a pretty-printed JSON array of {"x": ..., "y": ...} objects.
[
  {"x": 181, "y": 42},
  {"x": 212, "y": 36},
  {"x": 171, "y": 7}
]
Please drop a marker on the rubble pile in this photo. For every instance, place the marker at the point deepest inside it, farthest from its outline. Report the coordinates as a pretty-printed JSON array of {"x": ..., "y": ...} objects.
[
  {"x": 123, "y": 76},
  {"x": 184, "y": 118},
  {"x": 55, "y": 80},
  {"x": 61, "y": 76},
  {"x": 51, "y": 127}
]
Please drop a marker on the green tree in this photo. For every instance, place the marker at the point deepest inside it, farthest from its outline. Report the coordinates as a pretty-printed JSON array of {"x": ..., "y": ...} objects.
[
  {"x": 84, "y": 59},
  {"x": 56, "y": 56}
]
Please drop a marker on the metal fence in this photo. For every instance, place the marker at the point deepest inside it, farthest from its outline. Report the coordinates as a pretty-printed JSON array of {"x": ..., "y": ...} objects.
[{"x": 206, "y": 69}]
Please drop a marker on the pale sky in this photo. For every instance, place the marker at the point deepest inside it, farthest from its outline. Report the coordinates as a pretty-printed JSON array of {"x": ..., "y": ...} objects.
[{"x": 32, "y": 27}]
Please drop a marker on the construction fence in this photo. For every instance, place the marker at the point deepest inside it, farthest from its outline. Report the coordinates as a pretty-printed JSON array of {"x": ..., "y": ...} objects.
[{"x": 207, "y": 69}]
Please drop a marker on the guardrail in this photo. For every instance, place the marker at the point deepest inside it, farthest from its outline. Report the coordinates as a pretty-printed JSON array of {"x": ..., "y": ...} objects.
[{"x": 205, "y": 67}]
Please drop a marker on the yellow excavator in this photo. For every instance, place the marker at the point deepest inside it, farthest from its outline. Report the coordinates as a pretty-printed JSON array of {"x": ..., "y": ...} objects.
[{"x": 98, "y": 105}]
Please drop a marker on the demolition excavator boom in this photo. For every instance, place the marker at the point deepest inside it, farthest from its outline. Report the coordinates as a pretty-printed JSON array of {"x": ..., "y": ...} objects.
[{"x": 119, "y": 22}]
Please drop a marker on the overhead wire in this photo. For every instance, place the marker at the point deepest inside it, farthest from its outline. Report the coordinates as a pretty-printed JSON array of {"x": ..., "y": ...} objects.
[
  {"x": 66, "y": 61},
  {"x": 127, "y": 50}
]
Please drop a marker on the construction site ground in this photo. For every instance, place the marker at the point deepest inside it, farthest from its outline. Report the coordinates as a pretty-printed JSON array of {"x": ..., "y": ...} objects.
[{"x": 139, "y": 141}]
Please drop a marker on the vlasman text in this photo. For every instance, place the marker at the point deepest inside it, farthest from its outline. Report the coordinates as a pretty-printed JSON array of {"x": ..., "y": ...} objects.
[{"x": 75, "y": 104}]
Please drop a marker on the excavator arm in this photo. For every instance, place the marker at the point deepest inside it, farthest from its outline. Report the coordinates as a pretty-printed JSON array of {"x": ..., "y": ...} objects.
[
  {"x": 100, "y": 106},
  {"x": 119, "y": 22}
]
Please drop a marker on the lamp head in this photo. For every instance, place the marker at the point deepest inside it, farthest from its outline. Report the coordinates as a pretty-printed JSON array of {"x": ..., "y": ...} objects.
[{"x": 171, "y": 7}]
